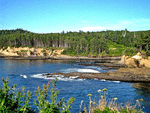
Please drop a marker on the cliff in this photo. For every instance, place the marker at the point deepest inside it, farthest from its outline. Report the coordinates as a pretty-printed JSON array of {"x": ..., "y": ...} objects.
[{"x": 27, "y": 52}]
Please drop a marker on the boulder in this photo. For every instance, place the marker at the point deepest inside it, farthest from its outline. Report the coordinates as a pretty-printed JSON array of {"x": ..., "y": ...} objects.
[
  {"x": 57, "y": 52},
  {"x": 130, "y": 62},
  {"x": 145, "y": 63},
  {"x": 138, "y": 56},
  {"x": 28, "y": 53},
  {"x": 123, "y": 59},
  {"x": 135, "y": 61}
]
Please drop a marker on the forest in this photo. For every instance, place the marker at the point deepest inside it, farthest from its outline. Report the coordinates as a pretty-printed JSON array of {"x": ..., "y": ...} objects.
[{"x": 79, "y": 43}]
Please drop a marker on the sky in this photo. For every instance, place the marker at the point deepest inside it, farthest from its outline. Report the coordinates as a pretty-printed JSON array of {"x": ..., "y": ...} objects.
[{"x": 51, "y": 16}]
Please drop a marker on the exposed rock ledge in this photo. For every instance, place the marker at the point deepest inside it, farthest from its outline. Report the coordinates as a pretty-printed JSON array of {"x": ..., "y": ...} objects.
[{"x": 122, "y": 74}]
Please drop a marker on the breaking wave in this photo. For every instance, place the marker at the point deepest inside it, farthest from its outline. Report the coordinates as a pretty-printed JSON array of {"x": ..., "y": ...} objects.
[
  {"x": 59, "y": 77},
  {"x": 79, "y": 70}
]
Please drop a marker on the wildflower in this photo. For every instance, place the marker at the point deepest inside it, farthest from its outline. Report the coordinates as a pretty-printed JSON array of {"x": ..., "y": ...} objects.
[
  {"x": 91, "y": 102},
  {"x": 102, "y": 96},
  {"x": 48, "y": 83},
  {"x": 115, "y": 98},
  {"x": 50, "y": 79},
  {"x": 141, "y": 99},
  {"x": 99, "y": 90},
  {"x": 94, "y": 103},
  {"x": 104, "y": 89},
  {"x": 137, "y": 100},
  {"x": 89, "y": 95}
]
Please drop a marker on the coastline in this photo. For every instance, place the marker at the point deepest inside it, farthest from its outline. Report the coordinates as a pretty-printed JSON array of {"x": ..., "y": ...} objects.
[
  {"x": 58, "y": 58},
  {"x": 123, "y": 73}
]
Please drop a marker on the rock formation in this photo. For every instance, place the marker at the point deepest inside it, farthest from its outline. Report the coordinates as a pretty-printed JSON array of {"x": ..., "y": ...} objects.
[
  {"x": 135, "y": 61},
  {"x": 27, "y": 52}
]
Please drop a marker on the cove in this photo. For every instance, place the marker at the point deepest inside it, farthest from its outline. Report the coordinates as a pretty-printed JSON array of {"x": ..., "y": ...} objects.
[{"x": 27, "y": 73}]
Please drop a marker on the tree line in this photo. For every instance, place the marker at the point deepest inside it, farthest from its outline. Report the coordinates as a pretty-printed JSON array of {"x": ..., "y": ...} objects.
[{"x": 77, "y": 42}]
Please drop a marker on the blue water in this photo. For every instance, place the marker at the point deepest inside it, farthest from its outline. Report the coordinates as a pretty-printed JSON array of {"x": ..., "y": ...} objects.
[{"x": 79, "y": 89}]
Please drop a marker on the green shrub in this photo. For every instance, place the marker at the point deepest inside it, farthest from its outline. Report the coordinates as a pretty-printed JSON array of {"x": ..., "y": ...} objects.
[
  {"x": 106, "y": 110},
  {"x": 51, "y": 107},
  {"x": 23, "y": 50},
  {"x": 18, "y": 102},
  {"x": 130, "y": 51},
  {"x": 10, "y": 101},
  {"x": 43, "y": 51}
]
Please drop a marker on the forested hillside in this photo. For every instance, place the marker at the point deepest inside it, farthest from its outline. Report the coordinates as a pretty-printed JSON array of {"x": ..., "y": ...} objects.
[{"x": 78, "y": 42}]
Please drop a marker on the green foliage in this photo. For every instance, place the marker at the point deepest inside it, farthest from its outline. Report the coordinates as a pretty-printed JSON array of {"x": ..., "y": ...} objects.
[
  {"x": 80, "y": 43},
  {"x": 23, "y": 50},
  {"x": 18, "y": 102},
  {"x": 115, "y": 49},
  {"x": 130, "y": 51},
  {"x": 10, "y": 101},
  {"x": 51, "y": 107},
  {"x": 43, "y": 51},
  {"x": 106, "y": 110},
  {"x": 128, "y": 111}
]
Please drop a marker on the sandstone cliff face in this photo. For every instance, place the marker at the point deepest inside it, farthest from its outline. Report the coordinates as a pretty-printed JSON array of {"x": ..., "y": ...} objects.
[
  {"x": 135, "y": 61},
  {"x": 26, "y": 52}
]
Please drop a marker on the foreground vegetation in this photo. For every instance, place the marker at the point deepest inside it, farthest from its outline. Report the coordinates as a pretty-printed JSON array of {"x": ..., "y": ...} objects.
[
  {"x": 110, "y": 43},
  {"x": 19, "y": 102},
  {"x": 105, "y": 106}
]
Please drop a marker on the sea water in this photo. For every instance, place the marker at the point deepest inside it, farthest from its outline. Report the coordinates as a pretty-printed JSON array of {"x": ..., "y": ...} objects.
[{"x": 28, "y": 73}]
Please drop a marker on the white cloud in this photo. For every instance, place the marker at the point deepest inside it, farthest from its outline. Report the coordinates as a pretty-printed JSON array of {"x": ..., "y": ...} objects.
[
  {"x": 134, "y": 22},
  {"x": 132, "y": 25},
  {"x": 98, "y": 28}
]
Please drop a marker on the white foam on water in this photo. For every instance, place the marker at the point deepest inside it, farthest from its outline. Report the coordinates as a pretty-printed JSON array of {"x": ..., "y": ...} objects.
[
  {"x": 95, "y": 67},
  {"x": 102, "y": 80},
  {"x": 59, "y": 77},
  {"x": 73, "y": 77},
  {"x": 24, "y": 76},
  {"x": 116, "y": 81},
  {"x": 80, "y": 70},
  {"x": 38, "y": 76},
  {"x": 95, "y": 79}
]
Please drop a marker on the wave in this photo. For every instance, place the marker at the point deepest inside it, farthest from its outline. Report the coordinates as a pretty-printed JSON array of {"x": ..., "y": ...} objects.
[
  {"x": 109, "y": 81},
  {"x": 59, "y": 77},
  {"x": 24, "y": 76},
  {"x": 79, "y": 70}
]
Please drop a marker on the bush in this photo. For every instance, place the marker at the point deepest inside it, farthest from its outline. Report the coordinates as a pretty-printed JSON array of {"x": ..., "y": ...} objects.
[
  {"x": 10, "y": 101},
  {"x": 106, "y": 110},
  {"x": 23, "y": 50},
  {"x": 130, "y": 51},
  {"x": 18, "y": 102},
  {"x": 43, "y": 51}
]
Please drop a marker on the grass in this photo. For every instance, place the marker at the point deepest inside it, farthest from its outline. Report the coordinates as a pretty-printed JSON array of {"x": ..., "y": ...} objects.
[
  {"x": 111, "y": 106},
  {"x": 119, "y": 50}
]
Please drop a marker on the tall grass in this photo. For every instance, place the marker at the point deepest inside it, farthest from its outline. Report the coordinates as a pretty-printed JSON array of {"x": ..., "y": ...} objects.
[{"x": 110, "y": 106}]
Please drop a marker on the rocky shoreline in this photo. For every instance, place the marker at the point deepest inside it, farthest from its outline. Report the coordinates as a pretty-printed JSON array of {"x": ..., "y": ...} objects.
[{"x": 123, "y": 74}]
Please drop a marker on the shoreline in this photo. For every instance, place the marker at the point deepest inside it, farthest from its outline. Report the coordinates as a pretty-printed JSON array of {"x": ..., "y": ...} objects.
[
  {"x": 122, "y": 74},
  {"x": 58, "y": 58}
]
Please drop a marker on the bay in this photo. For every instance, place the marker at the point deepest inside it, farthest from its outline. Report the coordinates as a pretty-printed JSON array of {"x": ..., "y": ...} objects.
[{"x": 28, "y": 73}]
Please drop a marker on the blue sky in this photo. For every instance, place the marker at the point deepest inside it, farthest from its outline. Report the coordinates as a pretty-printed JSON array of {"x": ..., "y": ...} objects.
[{"x": 46, "y": 16}]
